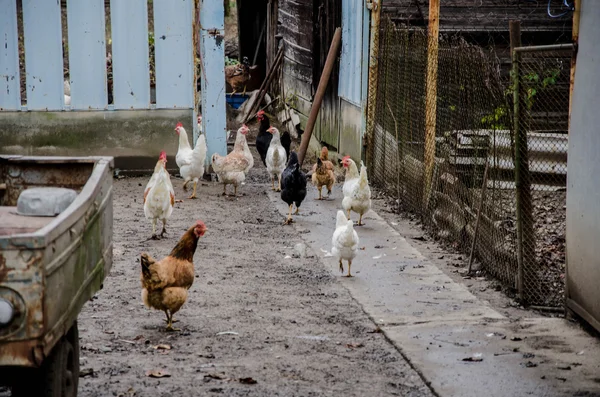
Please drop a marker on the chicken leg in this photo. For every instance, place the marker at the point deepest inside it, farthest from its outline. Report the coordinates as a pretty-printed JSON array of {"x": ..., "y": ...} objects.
[
  {"x": 224, "y": 189},
  {"x": 164, "y": 229},
  {"x": 289, "y": 218},
  {"x": 297, "y": 211},
  {"x": 193, "y": 196},
  {"x": 320, "y": 196},
  {"x": 341, "y": 267},
  {"x": 170, "y": 322},
  {"x": 272, "y": 183},
  {"x": 244, "y": 93},
  {"x": 279, "y": 188},
  {"x": 349, "y": 266},
  {"x": 360, "y": 221},
  {"x": 234, "y": 190},
  {"x": 348, "y": 215},
  {"x": 154, "y": 236},
  {"x": 185, "y": 185}
]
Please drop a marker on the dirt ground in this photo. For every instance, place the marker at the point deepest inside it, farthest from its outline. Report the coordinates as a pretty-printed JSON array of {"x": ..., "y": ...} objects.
[{"x": 289, "y": 326}]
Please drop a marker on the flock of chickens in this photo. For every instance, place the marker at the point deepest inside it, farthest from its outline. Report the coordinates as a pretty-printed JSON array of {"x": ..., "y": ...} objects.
[{"x": 165, "y": 283}]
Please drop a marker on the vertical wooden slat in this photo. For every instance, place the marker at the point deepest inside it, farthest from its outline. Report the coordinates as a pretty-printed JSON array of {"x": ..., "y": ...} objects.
[
  {"x": 87, "y": 54},
  {"x": 173, "y": 53},
  {"x": 10, "y": 89},
  {"x": 212, "y": 47},
  {"x": 352, "y": 45},
  {"x": 131, "y": 74},
  {"x": 43, "y": 54}
]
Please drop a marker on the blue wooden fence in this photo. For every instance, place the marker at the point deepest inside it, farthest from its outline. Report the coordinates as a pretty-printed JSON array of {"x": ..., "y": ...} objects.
[{"x": 87, "y": 52}]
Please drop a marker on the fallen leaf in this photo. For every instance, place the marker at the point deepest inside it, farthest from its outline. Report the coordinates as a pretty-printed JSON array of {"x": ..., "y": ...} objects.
[
  {"x": 247, "y": 381},
  {"x": 158, "y": 373},
  {"x": 473, "y": 359},
  {"x": 227, "y": 333},
  {"x": 215, "y": 376},
  {"x": 564, "y": 367},
  {"x": 86, "y": 372},
  {"x": 364, "y": 248},
  {"x": 109, "y": 332},
  {"x": 354, "y": 345},
  {"x": 162, "y": 347},
  {"x": 516, "y": 339},
  {"x": 377, "y": 330}
]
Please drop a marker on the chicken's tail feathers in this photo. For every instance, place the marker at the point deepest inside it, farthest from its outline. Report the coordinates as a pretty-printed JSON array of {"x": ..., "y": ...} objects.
[
  {"x": 363, "y": 178},
  {"x": 200, "y": 149},
  {"x": 146, "y": 261},
  {"x": 341, "y": 219}
]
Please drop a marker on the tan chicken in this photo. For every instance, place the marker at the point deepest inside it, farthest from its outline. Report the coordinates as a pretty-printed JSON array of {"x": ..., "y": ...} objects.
[
  {"x": 324, "y": 156},
  {"x": 323, "y": 176},
  {"x": 322, "y": 173},
  {"x": 237, "y": 76},
  {"x": 165, "y": 283},
  {"x": 231, "y": 169}
]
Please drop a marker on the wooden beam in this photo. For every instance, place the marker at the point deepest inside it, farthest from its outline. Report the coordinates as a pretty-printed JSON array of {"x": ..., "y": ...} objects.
[
  {"x": 431, "y": 95},
  {"x": 314, "y": 111}
]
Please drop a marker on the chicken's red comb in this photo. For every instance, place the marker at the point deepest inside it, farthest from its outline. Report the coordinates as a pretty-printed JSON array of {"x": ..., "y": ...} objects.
[
  {"x": 245, "y": 126},
  {"x": 179, "y": 125},
  {"x": 200, "y": 223},
  {"x": 163, "y": 155},
  {"x": 260, "y": 113},
  {"x": 346, "y": 158}
]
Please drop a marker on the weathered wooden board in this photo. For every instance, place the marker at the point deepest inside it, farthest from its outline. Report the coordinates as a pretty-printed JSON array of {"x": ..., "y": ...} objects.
[
  {"x": 43, "y": 55},
  {"x": 10, "y": 81},
  {"x": 87, "y": 54}
]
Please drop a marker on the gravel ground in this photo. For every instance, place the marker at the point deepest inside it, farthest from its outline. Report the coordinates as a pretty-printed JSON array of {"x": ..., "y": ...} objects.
[{"x": 291, "y": 328}]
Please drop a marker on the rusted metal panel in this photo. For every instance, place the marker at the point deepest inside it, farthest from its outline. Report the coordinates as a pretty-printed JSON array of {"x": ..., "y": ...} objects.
[{"x": 50, "y": 273}]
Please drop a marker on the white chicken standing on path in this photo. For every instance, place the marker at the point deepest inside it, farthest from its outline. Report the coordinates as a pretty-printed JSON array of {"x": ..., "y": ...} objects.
[
  {"x": 344, "y": 241},
  {"x": 357, "y": 193},
  {"x": 190, "y": 162},
  {"x": 276, "y": 159},
  {"x": 159, "y": 196}
]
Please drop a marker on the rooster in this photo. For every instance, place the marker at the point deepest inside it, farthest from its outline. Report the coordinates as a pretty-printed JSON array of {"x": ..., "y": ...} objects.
[
  {"x": 263, "y": 139},
  {"x": 344, "y": 241},
  {"x": 231, "y": 168},
  {"x": 165, "y": 283},
  {"x": 357, "y": 193},
  {"x": 276, "y": 159},
  {"x": 293, "y": 186},
  {"x": 238, "y": 76},
  {"x": 159, "y": 196},
  {"x": 190, "y": 162}
]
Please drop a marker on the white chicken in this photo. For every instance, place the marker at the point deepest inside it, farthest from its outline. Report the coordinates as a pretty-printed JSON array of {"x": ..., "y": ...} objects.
[
  {"x": 190, "y": 162},
  {"x": 159, "y": 196},
  {"x": 357, "y": 193},
  {"x": 276, "y": 159},
  {"x": 231, "y": 169},
  {"x": 344, "y": 241},
  {"x": 247, "y": 153}
]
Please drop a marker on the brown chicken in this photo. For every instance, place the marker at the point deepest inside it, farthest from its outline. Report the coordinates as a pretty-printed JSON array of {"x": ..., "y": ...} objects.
[
  {"x": 165, "y": 283},
  {"x": 324, "y": 156},
  {"x": 323, "y": 177},
  {"x": 237, "y": 76}
]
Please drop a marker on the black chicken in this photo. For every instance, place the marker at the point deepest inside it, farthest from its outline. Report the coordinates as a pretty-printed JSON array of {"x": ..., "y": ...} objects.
[
  {"x": 293, "y": 186},
  {"x": 263, "y": 139}
]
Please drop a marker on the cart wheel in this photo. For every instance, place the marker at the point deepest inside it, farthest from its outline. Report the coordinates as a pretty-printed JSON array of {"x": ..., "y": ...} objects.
[{"x": 59, "y": 374}]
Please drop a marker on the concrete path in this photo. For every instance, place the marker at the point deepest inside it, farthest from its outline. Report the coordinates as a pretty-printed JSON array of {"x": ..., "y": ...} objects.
[{"x": 459, "y": 345}]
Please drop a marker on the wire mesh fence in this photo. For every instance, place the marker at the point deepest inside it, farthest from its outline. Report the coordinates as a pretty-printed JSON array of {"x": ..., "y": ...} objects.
[
  {"x": 541, "y": 79},
  {"x": 445, "y": 147}
]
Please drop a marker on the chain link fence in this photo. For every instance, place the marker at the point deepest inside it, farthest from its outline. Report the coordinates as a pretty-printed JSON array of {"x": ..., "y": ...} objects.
[
  {"x": 445, "y": 148},
  {"x": 541, "y": 81}
]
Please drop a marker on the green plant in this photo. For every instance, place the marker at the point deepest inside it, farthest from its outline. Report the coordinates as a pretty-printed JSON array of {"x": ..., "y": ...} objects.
[
  {"x": 496, "y": 119},
  {"x": 231, "y": 61}
]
